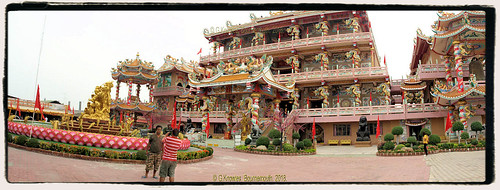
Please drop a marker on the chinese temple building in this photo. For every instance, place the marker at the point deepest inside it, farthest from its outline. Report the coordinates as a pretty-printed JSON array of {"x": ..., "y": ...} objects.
[
  {"x": 130, "y": 72},
  {"x": 323, "y": 66},
  {"x": 452, "y": 62},
  {"x": 172, "y": 86}
]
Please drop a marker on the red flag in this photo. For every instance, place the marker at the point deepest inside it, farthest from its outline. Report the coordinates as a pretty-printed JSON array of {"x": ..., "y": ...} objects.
[
  {"x": 174, "y": 117},
  {"x": 314, "y": 128},
  {"x": 448, "y": 122},
  {"x": 207, "y": 129},
  {"x": 121, "y": 116},
  {"x": 37, "y": 101},
  {"x": 199, "y": 52},
  {"x": 41, "y": 112},
  {"x": 73, "y": 110},
  {"x": 18, "y": 109},
  {"x": 384, "y": 60},
  {"x": 378, "y": 127}
]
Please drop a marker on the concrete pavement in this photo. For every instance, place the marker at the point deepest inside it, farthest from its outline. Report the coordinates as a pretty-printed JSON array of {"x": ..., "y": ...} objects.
[{"x": 345, "y": 164}]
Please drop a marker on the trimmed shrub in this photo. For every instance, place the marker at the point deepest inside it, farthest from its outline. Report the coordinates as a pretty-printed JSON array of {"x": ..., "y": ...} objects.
[
  {"x": 427, "y": 131},
  {"x": 9, "y": 137},
  {"x": 397, "y": 130},
  {"x": 210, "y": 150},
  {"x": 307, "y": 143},
  {"x": 287, "y": 147},
  {"x": 457, "y": 126},
  {"x": 434, "y": 139},
  {"x": 276, "y": 142},
  {"x": 296, "y": 135},
  {"x": 464, "y": 135},
  {"x": 388, "y": 145},
  {"x": 388, "y": 137},
  {"x": 141, "y": 155},
  {"x": 274, "y": 133},
  {"x": 300, "y": 145},
  {"x": 21, "y": 140},
  {"x": 33, "y": 143},
  {"x": 412, "y": 140},
  {"x": 271, "y": 147},
  {"x": 262, "y": 141},
  {"x": 476, "y": 127},
  {"x": 408, "y": 144},
  {"x": 474, "y": 142},
  {"x": 248, "y": 141}
]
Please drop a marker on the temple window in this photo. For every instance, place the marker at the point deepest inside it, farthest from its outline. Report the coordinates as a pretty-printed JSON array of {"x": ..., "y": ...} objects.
[{"x": 342, "y": 130}]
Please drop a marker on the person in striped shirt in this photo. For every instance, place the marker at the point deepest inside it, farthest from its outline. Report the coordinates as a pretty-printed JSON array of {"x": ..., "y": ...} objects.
[{"x": 169, "y": 158}]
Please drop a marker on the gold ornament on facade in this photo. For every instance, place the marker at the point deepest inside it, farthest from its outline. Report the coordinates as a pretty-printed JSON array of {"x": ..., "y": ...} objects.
[
  {"x": 353, "y": 23},
  {"x": 258, "y": 38},
  {"x": 294, "y": 31}
]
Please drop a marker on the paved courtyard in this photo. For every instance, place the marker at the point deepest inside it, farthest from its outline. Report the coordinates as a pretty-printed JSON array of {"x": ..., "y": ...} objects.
[{"x": 331, "y": 164}]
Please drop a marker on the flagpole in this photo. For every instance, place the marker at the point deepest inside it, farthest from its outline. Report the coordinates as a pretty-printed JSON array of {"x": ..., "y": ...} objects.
[{"x": 38, "y": 68}]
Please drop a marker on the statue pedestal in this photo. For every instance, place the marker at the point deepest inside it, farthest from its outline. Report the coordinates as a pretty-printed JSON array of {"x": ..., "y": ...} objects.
[{"x": 362, "y": 144}]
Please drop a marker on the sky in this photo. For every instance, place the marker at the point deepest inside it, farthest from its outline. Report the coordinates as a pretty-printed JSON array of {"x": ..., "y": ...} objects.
[{"x": 79, "y": 48}]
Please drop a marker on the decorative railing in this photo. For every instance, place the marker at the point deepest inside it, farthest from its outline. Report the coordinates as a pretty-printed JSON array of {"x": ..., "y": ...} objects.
[
  {"x": 341, "y": 74},
  {"x": 288, "y": 45},
  {"x": 396, "y": 82},
  {"x": 371, "y": 110},
  {"x": 339, "y": 112},
  {"x": 171, "y": 90},
  {"x": 439, "y": 69}
]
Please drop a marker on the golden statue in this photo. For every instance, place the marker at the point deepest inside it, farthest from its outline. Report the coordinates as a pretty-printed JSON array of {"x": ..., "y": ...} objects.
[{"x": 99, "y": 103}]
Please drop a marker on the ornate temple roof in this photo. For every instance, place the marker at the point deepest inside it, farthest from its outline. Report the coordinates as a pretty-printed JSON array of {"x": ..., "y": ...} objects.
[
  {"x": 454, "y": 95},
  {"x": 137, "y": 71},
  {"x": 239, "y": 74},
  {"x": 141, "y": 107},
  {"x": 172, "y": 63},
  {"x": 470, "y": 25}
]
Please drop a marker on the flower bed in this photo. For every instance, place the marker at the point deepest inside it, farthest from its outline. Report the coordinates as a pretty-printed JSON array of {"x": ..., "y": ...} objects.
[
  {"x": 432, "y": 149},
  {"x": 81, "y": 152},
  {"x": 252, "y": 150},
  {"x": 84, "y": 138}
]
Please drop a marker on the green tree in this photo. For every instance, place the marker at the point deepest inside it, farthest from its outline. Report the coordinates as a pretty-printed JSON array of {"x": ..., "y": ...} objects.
[
  {"x": 388, "y": 137},
  {"x": 274, "y": 134},
  {"x": 434, "y": 139},
  {"x": 427, "y": 131},
  {"x": 457, "y": 127},
  {"x": 412, "y": 140},
  {"x": 465, "y": 136},
  {"x": 476, "y": 127},
  {"x": 397, "y": 131}
]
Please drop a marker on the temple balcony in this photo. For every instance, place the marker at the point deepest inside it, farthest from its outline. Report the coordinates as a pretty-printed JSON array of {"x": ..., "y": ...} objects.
[
  {"x": 287, "y": 46},
  {"x": 396, "y": 85},
  {"x": 343, "y": 114},
  {"x": 433, "y": 71},
  {"x": 169, "y": 91},
  {"x": 334, "y": 75}
]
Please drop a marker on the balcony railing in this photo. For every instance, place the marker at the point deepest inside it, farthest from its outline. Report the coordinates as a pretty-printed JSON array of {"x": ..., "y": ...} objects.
[
  {"x": 337, "y": 74},
  {"x": 438, "y": 70},
  {"x": 30, "y": 103},
  {"x": 171, "y": 90},
  {"x": 371, "y": 110},
  {"x": 288, "y": 45}
]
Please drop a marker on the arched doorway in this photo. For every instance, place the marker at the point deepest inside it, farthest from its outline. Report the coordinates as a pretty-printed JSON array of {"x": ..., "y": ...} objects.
[{"x": 306, "y": 133}]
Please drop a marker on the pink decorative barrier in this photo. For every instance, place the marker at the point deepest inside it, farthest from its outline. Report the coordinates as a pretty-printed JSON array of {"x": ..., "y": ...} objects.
[{"x": 81, "y": 138}]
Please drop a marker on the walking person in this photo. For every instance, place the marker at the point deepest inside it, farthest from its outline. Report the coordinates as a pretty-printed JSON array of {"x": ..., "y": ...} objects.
[
  {"x": 153, "y": 150},
  {"x": 426, "y": 141},
  {"x": 169, "y": 158}
]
